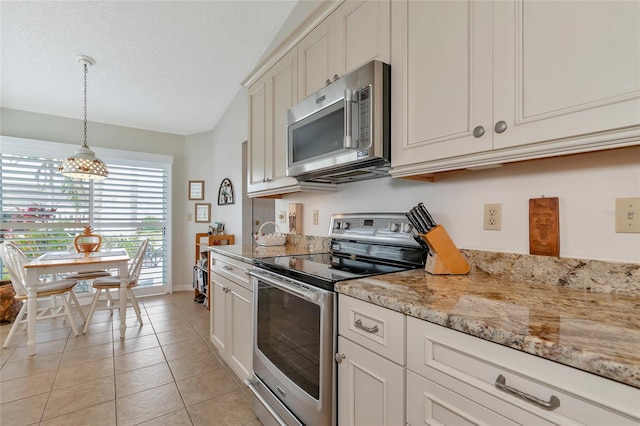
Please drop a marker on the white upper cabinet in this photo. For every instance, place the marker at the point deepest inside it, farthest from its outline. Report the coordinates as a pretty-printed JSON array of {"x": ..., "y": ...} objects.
[
  {"x": 269, "y": 99},
  {"x": 353, "y": 34},
  {"x": 315, "y": 59},
  {"x": 476, "y": 83},
  {"x": 565, "y": 68},
  {"x": 357, "y": 32},
  {"x": 441, "y": 79},
  {"x": 362, "y": 33},
  {"x": 257, "y": 170}
]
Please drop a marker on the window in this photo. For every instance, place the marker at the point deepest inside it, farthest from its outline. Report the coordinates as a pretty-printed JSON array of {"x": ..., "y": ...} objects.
[{"x": 43, "y": 210}]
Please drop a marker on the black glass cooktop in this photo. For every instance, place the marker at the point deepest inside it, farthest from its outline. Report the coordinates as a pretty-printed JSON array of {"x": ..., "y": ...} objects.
[{"x": 324, "y": 270}]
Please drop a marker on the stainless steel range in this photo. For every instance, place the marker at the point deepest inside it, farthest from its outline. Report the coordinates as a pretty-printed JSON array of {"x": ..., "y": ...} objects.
[{"x": 295, "y": 336}]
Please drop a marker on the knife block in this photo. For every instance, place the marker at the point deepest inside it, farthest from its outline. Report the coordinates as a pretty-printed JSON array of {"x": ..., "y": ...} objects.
[{"x": 445, "y": 258}]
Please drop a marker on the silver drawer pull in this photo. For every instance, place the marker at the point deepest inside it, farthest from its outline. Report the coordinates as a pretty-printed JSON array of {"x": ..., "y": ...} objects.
[
  {"x": 227, "y": 268},
  {"x": 552, "y": 404},
  {"x": 359, "y": 324}
]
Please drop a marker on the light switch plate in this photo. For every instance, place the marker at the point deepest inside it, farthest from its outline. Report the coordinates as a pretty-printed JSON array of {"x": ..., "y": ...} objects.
[{"x": 628, "y": 215}]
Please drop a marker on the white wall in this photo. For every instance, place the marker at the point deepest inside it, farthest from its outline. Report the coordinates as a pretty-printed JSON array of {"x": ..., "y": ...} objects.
[
  {"x": 586, "y": 185},
  {"x": 212, "y": 156}
]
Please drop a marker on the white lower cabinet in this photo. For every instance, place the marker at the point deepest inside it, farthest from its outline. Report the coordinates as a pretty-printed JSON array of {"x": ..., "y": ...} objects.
[
  {"x": 232, "y": 313},
  {"x": 370, "y": 364},
  {"x": 370, "y": 387},
  {"x": 457, "y": 379},
  {"x": 449, "y": 378}
]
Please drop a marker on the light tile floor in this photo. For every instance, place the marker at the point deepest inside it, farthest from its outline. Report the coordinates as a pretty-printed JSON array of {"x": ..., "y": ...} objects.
[{"x": 166, "y": 372}]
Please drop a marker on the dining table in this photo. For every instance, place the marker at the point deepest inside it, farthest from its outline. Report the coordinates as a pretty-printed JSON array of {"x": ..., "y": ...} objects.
[{"x": 68, "y": 262}]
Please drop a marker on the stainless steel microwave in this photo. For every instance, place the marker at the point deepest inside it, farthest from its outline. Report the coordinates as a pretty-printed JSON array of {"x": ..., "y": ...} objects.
[{"x": 341, "y": 133}]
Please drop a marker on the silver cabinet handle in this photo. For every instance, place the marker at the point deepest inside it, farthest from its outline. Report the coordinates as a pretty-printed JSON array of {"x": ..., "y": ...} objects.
[
  {"x": 501, "y": 126},
  {"x": 478, "y": 131},
  {"x": 359, "y": 324},
  {"x": 552, "y": 404},
  {"x": 336, "y": 77},
  {"x": 339, "y": 358},
  {"x": 227, "y": 268},
  {"x": 328, "y": 82}
]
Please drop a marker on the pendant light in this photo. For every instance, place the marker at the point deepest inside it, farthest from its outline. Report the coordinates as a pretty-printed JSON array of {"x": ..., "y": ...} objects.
[{"x": 83, "y": 164}]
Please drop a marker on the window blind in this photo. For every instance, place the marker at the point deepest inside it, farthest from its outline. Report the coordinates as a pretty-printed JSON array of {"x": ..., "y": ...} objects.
[{"x": 44, "y": 211}]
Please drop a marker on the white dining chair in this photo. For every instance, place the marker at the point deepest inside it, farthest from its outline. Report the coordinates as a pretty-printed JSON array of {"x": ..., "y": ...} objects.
[
  {"x": 14, "y": 260},
  {"x": 113, "y": 283}
]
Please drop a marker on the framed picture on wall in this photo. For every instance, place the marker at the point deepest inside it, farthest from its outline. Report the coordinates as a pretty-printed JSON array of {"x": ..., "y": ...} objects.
[
  {"x": 196, "y": 190},
  {"x": 225, "y": 193},
  {"x": 203, "y": 213}
]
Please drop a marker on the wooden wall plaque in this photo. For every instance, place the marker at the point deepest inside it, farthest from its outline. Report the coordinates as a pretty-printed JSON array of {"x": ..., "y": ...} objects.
[{"x": 544, "y": 226}]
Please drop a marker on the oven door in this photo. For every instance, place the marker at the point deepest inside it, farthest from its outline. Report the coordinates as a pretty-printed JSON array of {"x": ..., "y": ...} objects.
[{"x": 294, "y": 345}]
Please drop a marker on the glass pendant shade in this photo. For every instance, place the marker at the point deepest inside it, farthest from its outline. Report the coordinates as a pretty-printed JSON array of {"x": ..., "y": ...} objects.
[{"x": 83, "y": 164}]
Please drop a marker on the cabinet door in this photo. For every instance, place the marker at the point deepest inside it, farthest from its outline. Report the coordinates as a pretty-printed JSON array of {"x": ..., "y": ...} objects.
[
  {"x": 218, "y": 312},
  {"x": 565, "y": 68},
  {"x": 240, "y": 329},
  {"x": 315, "y": 59},
  {"x": 442, "y": 79},
  {"x": 363, "y": 33},
  {"x": 370, "y": 388},
  {"x": 257, "y": 146},
  {"x": 283, "y": 94}
]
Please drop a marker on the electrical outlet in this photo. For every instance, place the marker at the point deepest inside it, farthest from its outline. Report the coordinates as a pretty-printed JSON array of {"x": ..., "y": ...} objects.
[
  {"x": 189, "y": 217},
  {"x": 315, "y": 217},
  {"x": 492, "y": 217},
  {"x": 628, "y": 215}
]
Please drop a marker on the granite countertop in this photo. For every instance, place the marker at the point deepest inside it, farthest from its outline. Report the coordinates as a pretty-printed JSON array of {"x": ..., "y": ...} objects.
[
  {"x": 594, "y": 332},
  {"x": 587, "y": 316},
  {"x": 248, "y": 252}
]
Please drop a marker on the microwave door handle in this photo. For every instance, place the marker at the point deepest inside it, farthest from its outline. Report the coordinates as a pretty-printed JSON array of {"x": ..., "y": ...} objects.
[{"x": 348, "y": 140}]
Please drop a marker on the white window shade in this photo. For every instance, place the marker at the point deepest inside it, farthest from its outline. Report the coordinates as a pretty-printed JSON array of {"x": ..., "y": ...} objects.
[{"x": 43, "y": 210}]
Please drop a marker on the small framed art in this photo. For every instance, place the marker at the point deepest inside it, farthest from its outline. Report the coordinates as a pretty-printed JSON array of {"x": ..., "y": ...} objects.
[
  {"x": 196, "y": 190},
  {"x": 225, "y": 193},
  {"x": 203, "y": 213}
]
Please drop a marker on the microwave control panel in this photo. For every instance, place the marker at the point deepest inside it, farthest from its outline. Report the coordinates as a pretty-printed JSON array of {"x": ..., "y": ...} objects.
[{"x": 364, "y": 119}]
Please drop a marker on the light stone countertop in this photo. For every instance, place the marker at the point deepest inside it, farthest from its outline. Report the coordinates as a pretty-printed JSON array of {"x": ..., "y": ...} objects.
[
  {"x": 587, "y": 317},
  {"x": 594, "y": 332},
  {"x": 247, "y": 252}
]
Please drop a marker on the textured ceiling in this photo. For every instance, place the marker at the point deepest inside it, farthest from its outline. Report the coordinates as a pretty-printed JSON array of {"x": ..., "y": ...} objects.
[{"x": 168, "y": 66}]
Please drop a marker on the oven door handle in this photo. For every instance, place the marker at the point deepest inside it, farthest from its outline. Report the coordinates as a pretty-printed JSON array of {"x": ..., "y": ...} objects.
[
  {"x": 313, "y": 296},
  {"x": 251, "y": 384}
]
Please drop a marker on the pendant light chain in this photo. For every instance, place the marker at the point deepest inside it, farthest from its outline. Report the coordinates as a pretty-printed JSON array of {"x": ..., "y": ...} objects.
[
  {"x": 84, "y": 164},
  {"x": 85, "y": 104}
]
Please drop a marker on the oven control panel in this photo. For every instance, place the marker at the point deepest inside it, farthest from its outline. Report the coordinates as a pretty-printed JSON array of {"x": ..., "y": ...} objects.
[{"x": 391, "y": 228}]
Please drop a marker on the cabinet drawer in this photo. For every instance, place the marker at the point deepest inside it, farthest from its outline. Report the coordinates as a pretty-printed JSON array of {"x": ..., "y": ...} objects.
[
  {"x": 231, "y": 269},
  {"x": 432, "y": 403},
  {"x": 476, "y": 364},
  {"x": 378, "y": 329}
]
